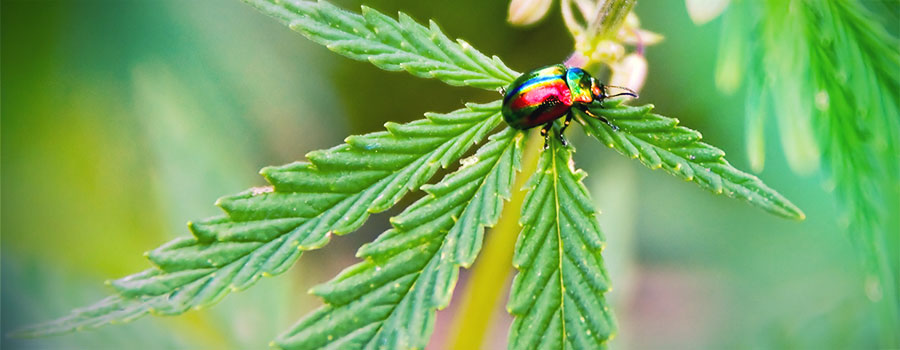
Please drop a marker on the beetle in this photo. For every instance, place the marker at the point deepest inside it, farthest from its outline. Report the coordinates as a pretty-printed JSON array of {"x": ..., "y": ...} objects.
[{"x": 545, "y": 94}]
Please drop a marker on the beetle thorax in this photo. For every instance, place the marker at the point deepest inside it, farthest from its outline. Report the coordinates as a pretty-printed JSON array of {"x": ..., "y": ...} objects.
[{"x": 581, "y": 85}]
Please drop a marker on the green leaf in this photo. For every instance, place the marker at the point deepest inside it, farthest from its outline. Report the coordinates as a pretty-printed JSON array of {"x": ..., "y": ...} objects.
[
  {"x": 658, "y": 142},
  {"x": 854, "y": 64},
  {"x": 392, "y": 45},
  {"x": 557, "y": 297},
  {"x": 266, "y": 229},
  {"x": 840, "y": 66},
  {"x": 389, "y": 300}
]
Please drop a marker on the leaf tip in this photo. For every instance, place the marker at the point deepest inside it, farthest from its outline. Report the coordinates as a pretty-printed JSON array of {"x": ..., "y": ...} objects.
[{"x": 795, "y": 212}]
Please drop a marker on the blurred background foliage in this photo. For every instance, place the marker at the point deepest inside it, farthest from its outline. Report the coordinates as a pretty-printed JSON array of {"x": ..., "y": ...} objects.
[{"x": 122, "y": 120}]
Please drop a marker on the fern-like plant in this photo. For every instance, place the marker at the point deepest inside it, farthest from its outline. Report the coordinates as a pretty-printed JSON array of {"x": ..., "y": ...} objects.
[
  {"x": 830, "y": 74},
  {"x": 388, "y": 301}
]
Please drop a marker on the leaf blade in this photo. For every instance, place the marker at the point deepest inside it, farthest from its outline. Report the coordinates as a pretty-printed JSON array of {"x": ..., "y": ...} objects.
[
  {"x": 389, "y": 300},
  {"x": 389, "y": 44},
  {"x": 557, "y": 296},
  {"x": 265, "y": 230},
  {"x": 658, "y": 142}
]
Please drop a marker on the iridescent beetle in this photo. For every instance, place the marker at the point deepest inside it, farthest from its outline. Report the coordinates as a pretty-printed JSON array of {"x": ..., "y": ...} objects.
[{"x": 543, "y": 95}]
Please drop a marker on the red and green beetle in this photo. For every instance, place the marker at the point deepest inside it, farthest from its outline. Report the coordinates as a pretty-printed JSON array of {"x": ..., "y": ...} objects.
[{"x": 545, "y": 94}]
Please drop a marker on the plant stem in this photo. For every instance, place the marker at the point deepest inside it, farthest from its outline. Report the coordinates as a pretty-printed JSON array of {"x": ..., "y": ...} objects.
[
  {"x": 493, "y": 268},
  {"x": 610, "y": 17}
]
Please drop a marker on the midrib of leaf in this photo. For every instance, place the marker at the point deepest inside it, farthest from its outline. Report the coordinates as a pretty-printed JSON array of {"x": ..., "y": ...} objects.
[
  {"x": 420, "y": 239},
  {"x": 559, "y": 240},
  {"x": 256, "y": 238},
  {"x": 390, "y": 44},
  {"x": 658, "y": 142}
]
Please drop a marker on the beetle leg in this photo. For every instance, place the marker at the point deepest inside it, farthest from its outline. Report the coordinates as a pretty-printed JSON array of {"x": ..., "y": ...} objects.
[
  {"x": 565, "y": 125},
  {"x": 545, "y": 132},
  {"x": 601, "y": 118}
]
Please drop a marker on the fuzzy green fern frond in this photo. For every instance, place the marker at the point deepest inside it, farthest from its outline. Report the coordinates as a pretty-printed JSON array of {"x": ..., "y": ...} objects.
[
  {"x": 833, "y": 86},
  {"x": 855, "y": 70}
]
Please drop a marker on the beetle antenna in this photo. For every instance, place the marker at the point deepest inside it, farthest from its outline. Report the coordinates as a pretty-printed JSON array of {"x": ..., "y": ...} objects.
[{"x": 629, "y": 92}]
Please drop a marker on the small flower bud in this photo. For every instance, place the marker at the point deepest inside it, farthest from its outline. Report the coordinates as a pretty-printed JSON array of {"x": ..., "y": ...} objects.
[
  {"x": 630, "y": 72},
  {"x": 527, "y": 12},
  {"x": 702, "y": 11},
  {"x": 639, "y": 37},
  {"x": 632, "y": 34}
]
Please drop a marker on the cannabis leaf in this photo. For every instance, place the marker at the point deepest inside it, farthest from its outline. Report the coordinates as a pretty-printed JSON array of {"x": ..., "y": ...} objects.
[
  {"x": 389, "y": 300},
  {"x": 265, "y": 230},
  {"x": 390, "y": 44},
  {"x": 557, "y": 297},
  {"x": 658, "y": 142}
]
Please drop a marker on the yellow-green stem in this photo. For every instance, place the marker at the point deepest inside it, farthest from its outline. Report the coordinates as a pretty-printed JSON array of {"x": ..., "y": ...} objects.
[
  {"x": 610, "y": 17},
  {"x": 494, "y": 266}
]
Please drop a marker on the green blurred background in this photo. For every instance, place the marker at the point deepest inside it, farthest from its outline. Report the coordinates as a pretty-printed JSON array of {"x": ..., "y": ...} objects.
[{"x": 124, "y": 119}]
